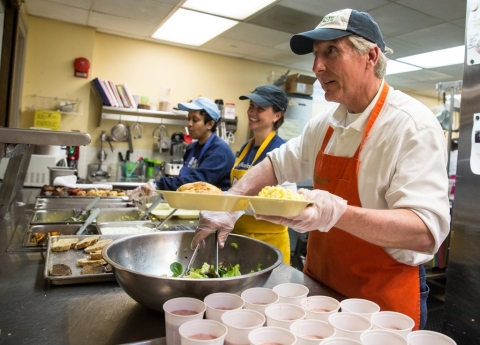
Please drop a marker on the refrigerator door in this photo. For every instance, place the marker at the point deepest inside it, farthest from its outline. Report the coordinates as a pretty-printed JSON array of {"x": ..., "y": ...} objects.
[{"x": 298, "y": 113}]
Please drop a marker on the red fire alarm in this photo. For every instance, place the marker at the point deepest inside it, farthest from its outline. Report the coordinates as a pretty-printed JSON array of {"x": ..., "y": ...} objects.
[{"x": 81, "y": 66}]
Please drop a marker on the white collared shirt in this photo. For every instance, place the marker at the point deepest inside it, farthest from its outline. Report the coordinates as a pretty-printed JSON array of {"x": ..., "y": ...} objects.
[{"x": 403, "y": 162}]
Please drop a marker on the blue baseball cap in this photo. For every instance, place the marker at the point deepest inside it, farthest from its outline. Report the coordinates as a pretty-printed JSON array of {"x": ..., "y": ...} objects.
[
  {"x": 268, "y": 95},
  {"x": 202, "y": 103},
  {"x": 336, "y": 25}
]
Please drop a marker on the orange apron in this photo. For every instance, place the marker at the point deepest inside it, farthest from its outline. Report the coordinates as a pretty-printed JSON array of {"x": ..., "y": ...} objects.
[
  {"x": 348, "y": 264},
  {"x": 274, "y": 234}
]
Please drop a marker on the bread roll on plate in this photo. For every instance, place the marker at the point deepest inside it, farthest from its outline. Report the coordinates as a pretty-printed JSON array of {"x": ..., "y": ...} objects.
[{"x": 199, "y": 187}]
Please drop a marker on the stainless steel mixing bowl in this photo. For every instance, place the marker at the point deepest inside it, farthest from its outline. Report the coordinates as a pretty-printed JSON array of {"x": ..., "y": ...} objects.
[{"x": 141, "y": 265}]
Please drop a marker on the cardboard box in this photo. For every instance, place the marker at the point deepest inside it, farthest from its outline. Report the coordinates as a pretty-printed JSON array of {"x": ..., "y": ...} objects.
[{"x": 300, "y": 84}]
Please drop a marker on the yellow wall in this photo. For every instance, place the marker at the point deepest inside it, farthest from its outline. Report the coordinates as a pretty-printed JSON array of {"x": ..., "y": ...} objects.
[{"x": 52, "y": 47}]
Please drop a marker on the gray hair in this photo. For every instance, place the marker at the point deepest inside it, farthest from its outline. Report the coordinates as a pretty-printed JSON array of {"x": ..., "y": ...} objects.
[{"x": 362, "y": 46}]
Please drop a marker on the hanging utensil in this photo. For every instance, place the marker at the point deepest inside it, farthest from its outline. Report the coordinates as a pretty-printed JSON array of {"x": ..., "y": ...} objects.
[
  {"x": 192, "y": 259},
  {"x": 137, "y": 130},
  {"x": 89, "y": 220},
  {"x": 81, "y": 214},
  {"x": 129, "y": 139},
  {"x": 119, "y": 132},
  {"x": 151, "y": 208},
  {"x": 161, "y": 134}
]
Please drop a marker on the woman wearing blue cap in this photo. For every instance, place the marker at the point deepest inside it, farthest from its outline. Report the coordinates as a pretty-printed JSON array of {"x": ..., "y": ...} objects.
[
  {"x": 268, "y": 103},
  {"x": 208, "y": 159}
]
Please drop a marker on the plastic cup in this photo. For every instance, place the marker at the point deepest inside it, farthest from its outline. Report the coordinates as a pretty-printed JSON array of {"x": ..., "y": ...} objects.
[
  {"x": 429, "y": 338},
  {"x": 360, "y": 306},
  {"x": 310, "y": 332},
  {"x": 205, "y": 332},
  {"x": 291, "y": 293},
  {"x": 340, "y": 341},
  {"x": 382, "y": 337},
  {"x": 240, "y": 323},
  {"x": 177, "y": 312},
  {"x": 271, "y": 335},
  {"x": 283, "y": 314},
  {"x": 220, "y": 302},
  {"x": 320, "y": 307},
  {"x": 392, "y": 321},
  {"x": 258, "y": 298},
  {"x": 349, "y": 325}
]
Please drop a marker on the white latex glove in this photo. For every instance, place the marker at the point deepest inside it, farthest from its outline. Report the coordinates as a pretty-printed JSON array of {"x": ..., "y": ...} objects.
[
  {"x": 211, "y": 221},
  {"x": 143, "y": 191},
  {"x": 322, "y": 215}
]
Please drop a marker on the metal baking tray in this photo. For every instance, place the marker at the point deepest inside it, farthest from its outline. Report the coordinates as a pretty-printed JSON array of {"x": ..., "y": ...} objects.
[
  {"x": 59, "y": 216},
  {"x": 63, "y": 229},
  {"x": 129, "y": 214},
  {"x": 70, "y": 258},
  {"x": 81, "y": 203}
]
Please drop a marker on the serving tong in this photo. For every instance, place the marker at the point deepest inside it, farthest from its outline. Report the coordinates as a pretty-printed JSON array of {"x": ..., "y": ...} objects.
[{"x": 194, "y": 255}]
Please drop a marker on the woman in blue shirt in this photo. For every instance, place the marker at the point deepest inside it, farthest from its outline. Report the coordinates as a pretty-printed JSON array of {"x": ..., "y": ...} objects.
[{"x": 208, "y": 159}]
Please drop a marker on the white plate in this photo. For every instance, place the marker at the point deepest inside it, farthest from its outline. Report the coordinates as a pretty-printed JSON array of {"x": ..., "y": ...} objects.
[
  {"x": 277, "y": 207},
  {"x": 164, "y": 209},
  {"x": 205, "y": 202}
]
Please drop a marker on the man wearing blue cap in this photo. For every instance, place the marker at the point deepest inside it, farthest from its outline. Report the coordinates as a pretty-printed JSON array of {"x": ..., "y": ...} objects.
[
  {"x": 208, "y": 159},
  {"x": 378, "y": 162}
]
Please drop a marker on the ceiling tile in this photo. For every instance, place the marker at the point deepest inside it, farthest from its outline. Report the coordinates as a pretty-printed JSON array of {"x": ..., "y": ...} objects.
[
  {"x": 256, "y": 35},
  {"x": 121, "y": 25},
  {"x": 48, "y": 9},
  {"x": 83, "y": 4},
  {"x": 144, "y": 10},
  {"x": 396, "y": 20},
  {"x": 435, "y": 37},
  {"x": 324, "y": 7},
  {"x": 286, "y": 20},
  {"x": 444, "y": 9}
]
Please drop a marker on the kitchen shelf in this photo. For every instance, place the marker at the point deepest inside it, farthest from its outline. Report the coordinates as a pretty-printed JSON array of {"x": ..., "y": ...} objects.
[{"x": 144, "y": 116}]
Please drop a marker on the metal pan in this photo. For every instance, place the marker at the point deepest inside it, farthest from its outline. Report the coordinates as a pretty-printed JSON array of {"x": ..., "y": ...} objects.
[
  {"x": 63, "y": 229},
  {"x": 119, "y": 132}
]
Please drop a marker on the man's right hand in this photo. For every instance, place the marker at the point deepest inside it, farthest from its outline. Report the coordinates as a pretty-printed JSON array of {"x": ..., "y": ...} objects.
[{"x": 212, "y": 221}]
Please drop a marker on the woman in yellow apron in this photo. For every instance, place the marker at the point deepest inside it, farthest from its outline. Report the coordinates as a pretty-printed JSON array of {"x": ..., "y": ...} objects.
[{"x": 268, "y": 103}]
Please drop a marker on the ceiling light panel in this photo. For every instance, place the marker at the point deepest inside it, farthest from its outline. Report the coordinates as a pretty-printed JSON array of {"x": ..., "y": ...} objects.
[
  {"x": 437, "y": 58},
  {"x": 235, "y": 9},
  {"x": 192, "y": 28},
  {"x": 394, "y": 67}
]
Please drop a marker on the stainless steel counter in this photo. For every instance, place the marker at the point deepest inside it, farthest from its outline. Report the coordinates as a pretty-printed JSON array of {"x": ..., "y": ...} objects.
[{"x": 34, "y": 312}]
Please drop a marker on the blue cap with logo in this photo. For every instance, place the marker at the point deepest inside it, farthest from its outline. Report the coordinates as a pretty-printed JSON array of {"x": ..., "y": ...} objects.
[
  {"x": 336, "y": 25},
  {"x": 202, "y": 103}
]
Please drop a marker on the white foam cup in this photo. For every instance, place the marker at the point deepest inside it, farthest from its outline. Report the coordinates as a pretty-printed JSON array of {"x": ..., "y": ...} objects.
[
  {"x": 392, "y": 321},
  {"x": 284, "y": 314},
  {"x": 429, "y": 338},
  {"x": 204, "y": 332},
  {"x": 349, "y": 325},
  {"x": 177, "y": 312},
  {"x": 258, "y": 298},
  {"x": 240, "y": 322},
  {"x": 291, "y": 293},
  {"x": 271, "y": 335},
  {"x": 320, "y": 307},
  {"x": 220, "y": 302},
  {"x": 360, "y": 306},
  {"x": 382, "y": 337},
  {"x": 310, "y": 332},
  {"x": 340, "y": 341}
]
